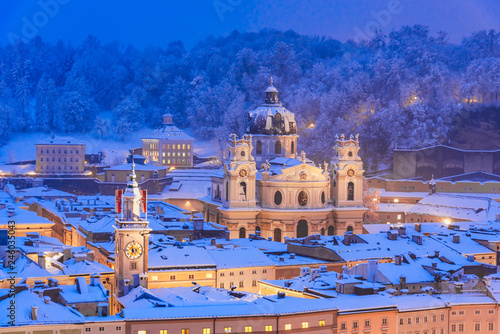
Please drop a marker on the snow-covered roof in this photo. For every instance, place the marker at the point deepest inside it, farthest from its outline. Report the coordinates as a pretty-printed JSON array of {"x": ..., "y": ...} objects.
[
  {"x": 83, "y": 292},
  {"x": 138, "y": 167},
  {"x": 42, "y": 192},
  {"x": 168, "y": 131},
  {"x": 264, "y": 120},
  {"x": 239, "y": 257},
  {"x": 59, "y": 140},
  {"x": 165, "y": 257}
]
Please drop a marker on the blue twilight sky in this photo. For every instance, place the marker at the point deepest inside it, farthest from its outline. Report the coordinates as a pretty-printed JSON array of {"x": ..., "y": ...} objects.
[{"x": 159, "y": 22}]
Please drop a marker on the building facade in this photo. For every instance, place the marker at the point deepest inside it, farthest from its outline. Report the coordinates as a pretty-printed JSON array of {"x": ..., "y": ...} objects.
[
  {"x": 278, "y": 193},
  {"x": 168, "y": 145},
  {"x": 60, "y": 156}
]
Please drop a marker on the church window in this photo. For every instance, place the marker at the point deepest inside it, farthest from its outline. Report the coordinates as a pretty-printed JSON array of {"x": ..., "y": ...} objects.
[
  {"x": 302, "y": 229},
  {"x": 278, "y": 198},
  {"x": 323, "y": 197},
  {"x": 350, "y": 191},
  {"x": 349, "y": 154},
  {"x": 350, "y": 228},
  {"x": 243, "y": 232},
  {"x": 133, "y": 265},
  {"x": 41, "y": 159},
  {"x": 277, "y": 235},
  {"x": 330, "y": 230},
  {"x": 292, "y": 149},
  {"x": 277, "y": 147},
  {"x": 302, "y": 198},
  {"x": 259, "y": 147},
  {"x": 243, "y": 191},
  {"x": 242, "y": 153}
]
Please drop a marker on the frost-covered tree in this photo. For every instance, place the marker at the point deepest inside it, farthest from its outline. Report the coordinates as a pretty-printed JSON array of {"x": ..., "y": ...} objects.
[{"x": 74, "y": 112}]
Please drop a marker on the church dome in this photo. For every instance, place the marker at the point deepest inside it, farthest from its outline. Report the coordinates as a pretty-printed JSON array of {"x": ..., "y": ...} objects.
[{"x": 271, "y": 118}]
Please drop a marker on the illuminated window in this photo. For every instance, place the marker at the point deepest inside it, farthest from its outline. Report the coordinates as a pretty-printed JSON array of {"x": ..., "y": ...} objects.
[
  {"x": 248, "y": 329},
  {"x": 321, "y": 323},
  {"x": 209, "y": 275},
  {"x": 142, "y": 332},
  {"x": 305, "y": 325},
  {"x": 269, "y": 328},
  {"x": 163, "y": 331},
  {"x": 206, "y": 330},
  {"x": 399, "y": 216},
  {"x": 154, "y": 278},
  {"x": 185, "y": 331},
  {"x": 288, "y": 327},
  {"x": 183, "y": 146},
  {"x": 178, "y": 146},
  {"x": 227, "y": 330}
]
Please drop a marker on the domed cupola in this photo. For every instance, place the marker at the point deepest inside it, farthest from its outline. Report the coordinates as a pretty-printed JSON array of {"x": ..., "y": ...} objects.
[
  {"x": 272, "y": 95},
  {"x": 271, "y": 118}
]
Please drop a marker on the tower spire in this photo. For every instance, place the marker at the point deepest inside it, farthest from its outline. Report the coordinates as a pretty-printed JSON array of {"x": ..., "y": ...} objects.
[{"x": 271, "y": 80}]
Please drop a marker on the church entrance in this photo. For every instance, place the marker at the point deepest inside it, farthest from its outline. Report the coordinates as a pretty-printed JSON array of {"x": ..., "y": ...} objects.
[
  {"x": 243, "y": 232},
  {"x": 302, "y": 228}
]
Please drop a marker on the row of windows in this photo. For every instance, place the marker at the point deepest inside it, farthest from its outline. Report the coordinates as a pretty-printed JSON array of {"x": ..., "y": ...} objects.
[
  {"x": 174, "y": 161},
  {"x": 101, "y": 329},
  {"x": 241, "y": 284},
  {"x": 60, "y": 151},
  {"x": 59, "y": 159},
  {"x": 58, "y": 167},
  {"x": 355, "y": 324},
  {"x": 277, "y": 148},
  {"x": 417, "y": 319},
  {"x": 231, "y": 273},
  {"x": 247, "y": 329},
  {"x": 175, "y": 154},
  {"x": 153, "y": 146},
  {"x": 462, "y": 312},
  {"x": 460, "y": 327},
  {"x": 302, "y": 198}
]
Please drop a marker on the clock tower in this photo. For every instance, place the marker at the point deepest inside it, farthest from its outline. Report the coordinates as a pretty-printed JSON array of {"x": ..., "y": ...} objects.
[
  {"x": 347, "y": 180},
  {"x": 239, "y": 174},
  {"x": 131, "y": 238}
]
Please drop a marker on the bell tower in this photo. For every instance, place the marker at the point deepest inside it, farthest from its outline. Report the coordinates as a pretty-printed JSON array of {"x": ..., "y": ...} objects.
[
  {"x": 131, "y": 238},
  {"x": 239, "y": 174},
  {"x": 347, "y": 167}
]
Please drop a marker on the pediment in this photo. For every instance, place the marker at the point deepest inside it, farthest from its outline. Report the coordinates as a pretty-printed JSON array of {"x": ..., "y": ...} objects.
[{"x": 300, "y": 173}]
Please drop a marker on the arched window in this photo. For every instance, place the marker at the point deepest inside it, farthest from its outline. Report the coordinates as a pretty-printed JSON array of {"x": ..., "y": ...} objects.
[
  {"x": 277, "y": 148},
  {"x": 330, "y": 230},
  {"x": 243, "y": 191},
  {"x": 302, "y": 229},
  {"x": 323, "y": 197},
  {"x": 227, "y": 191},
  {"x": 323, "y": 231},
  {"x": 350, "y": 191},
  {"x": 349, "y": 228},
  {"x": 259, "y": 147},
  {"x": 243, "y": 232},
  {"x": 278, "y": 197},
  {"x": 292, "y": 148},
  {"x": 302, "y": 198},
  {"x": 257, "y": 229},
  {"x": 277, "y": 235}
]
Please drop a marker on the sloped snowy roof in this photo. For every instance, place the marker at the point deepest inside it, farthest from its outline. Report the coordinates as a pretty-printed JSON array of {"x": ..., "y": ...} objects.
[
  {"x": 59, "y": 140},
  {"x": 239, "y": 257},
  {"x": 168, "y": 131}
]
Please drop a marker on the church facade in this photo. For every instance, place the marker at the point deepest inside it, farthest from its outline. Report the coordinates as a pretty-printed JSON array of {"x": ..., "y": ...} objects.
[{"x": 265, "y": 187}]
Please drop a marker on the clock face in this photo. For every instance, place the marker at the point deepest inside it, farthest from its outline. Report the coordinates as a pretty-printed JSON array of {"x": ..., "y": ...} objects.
[
  {"x": 133, "y": 250},
  {"x": 350, "y": 172},
  {"x": 243, "y": 173}
]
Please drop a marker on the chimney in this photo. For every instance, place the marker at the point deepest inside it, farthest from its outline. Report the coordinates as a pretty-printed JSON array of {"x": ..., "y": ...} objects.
[
  {"x": 269, "y": 238},
  {"x": 34, "y": 313},
  {"x": 402, "y": 231},
  {"x": 46, "y": 299},
  {"x": 42, "y": 260},
  {"x": 143, "y": 280},
  {"x": 417, "y": 239},
  {"x": 66, "y": 253},
  {"x": 95, "y": 279},
  {"x": 436, "y": 254},
  {"x": 304, "y": 271},
  {"x": 418, "y": 227},
  {"x": 434, "y": 264},
  {"x": 281, "y": 295},
  {"x": 213, "y": 242},
  {"x": 11, "y": 211},
  {"x": 292, "y": 256},
  {"x": 372, "y": 271},
  {"x": 315, "y": 272},
  {"x": 102, "y": 309},
  {"x": 347, "y": 238},
  {"x": 392, "y": 235},
  {"x": 90, "y": 256},
  {"x": 81, "y": 285},
  {"x": 470, "y": 258},
  {"x": 397, "y": 260},
  {"x": 80, "y": 257},
  {"x": 456, "y": 239},
  {"x": 3, "y": 206},
  {"x": 402, "y": 281},
  {"x": 282, "y": 259}
]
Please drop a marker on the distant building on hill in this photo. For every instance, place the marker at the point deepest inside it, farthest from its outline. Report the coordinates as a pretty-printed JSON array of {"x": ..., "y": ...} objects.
[
  {"x": 440, "y": 161},
  {"x": 168, "y": 145},
  {"x": 60, "y": 155}
]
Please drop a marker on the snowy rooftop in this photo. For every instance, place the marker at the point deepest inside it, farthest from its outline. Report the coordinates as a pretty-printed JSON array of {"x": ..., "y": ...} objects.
[
  {"x": 59, "y": 140},
  {"x": 138, "y": 167},
  {"x": 168, "y": 131}
]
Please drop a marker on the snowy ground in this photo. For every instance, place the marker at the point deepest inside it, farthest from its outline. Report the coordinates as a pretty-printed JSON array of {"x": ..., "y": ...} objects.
[{"x": 22, "y": 146}]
